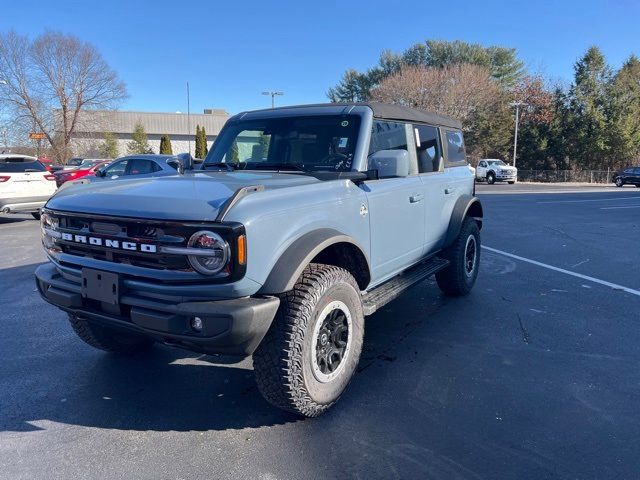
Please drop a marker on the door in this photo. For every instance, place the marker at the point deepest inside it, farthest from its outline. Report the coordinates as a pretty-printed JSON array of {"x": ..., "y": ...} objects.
[
  {"x": 395, "y": 206},
  {"x": 481, "y": 171},
  {"x": 433, "y": 178}
]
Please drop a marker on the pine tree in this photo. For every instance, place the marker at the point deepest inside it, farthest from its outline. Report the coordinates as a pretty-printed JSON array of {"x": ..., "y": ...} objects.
[
  {"x": 199, "y": 147},
  {"x": 109, "y": 148},
  {"x": 139, "y": 143},
  {"x": 165, "y": 145},
  {"x": 203, "y": 141},
  {"x": 624, "y": 128}
]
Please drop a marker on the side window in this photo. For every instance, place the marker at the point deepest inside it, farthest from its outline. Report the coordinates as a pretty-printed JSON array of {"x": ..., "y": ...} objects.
[
  {"x": 483, "y": 164},
  {"x": 387, "y": 135},
  {"x": 455, "y": 147},
  {"x": 117, "y": 168},
  {"x": 428, "y": 146},
  {"x": 139, "y": 166},
  {"x": 637, "y": 171}
]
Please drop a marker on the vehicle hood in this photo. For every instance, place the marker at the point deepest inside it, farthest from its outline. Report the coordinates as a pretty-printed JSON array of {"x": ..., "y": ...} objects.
[
  {"x": 506, "y": 167},
  {"x": 190, "y": 197}
]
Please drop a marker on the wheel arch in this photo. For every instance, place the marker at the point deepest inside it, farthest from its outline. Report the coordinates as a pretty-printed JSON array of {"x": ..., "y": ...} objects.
[
  {"x": 466, "y": 206},
  {"x": 324, "y": 245}
]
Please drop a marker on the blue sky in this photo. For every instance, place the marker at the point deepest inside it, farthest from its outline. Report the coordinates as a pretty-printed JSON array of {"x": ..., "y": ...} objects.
[{"x": 232, "y": 51}]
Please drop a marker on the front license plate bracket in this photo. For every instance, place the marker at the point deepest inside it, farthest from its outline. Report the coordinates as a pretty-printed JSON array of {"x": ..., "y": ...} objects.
[{"x": 101, "y": 286}]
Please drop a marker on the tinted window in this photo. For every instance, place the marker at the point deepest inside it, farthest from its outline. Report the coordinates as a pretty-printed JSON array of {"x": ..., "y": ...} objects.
[
  {"x": 139, "y": 166},
  {"x": 428, "y": 145},
  {"x": 637, "y": 171},
  {"x": 388, "y": 136},
  {"x": 455, "y": 147},
  {"x": 483, "y": 164},
  {"x": 628, "y": 170},
  {"x": 116, "y": 169},
  {"x": 16, "y": 165},
  {"x": 324, "y": 142}
]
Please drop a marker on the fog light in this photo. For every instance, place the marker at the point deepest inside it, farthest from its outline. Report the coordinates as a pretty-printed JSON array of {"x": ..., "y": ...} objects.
[{"x": 196, "y": 324}]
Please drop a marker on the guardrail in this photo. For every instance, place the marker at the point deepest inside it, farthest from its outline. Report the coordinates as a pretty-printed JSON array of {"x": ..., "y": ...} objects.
[{"x": 553, "y": 176}]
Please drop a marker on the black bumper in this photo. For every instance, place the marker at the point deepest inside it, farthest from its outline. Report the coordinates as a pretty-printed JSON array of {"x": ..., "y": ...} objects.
[{"x": 233, "y": 327}]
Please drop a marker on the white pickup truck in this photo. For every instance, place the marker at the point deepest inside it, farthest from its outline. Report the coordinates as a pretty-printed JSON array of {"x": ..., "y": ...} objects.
[{"x": 494, "y": 170}]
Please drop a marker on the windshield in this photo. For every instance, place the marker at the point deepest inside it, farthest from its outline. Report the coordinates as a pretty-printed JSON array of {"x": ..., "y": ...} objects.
[
  {"x": 320, "y": 143},
  {"x": 496, "y": 162}
]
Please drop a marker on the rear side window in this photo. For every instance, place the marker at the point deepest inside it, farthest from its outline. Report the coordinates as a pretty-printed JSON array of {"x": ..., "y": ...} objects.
[
  {"x": 455, "y": 147},
  {"x": 16, "y": 165},
  {"x": 428, "y": 145},
  {"x": 139, "y": 166}
]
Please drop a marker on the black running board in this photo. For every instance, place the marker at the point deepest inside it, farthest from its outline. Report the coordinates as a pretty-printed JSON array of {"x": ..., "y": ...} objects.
[{"x": 392, "y": 289}]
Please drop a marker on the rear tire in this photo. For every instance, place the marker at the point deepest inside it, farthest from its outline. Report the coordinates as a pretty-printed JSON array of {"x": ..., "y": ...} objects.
[
  {"x": 491, "y": 178},
  {"x": 311, "y": 351},
  {"x": 107, "y": 339},
  {"x": 36, "y": 215},
  {"x": 464, "y": 256}
]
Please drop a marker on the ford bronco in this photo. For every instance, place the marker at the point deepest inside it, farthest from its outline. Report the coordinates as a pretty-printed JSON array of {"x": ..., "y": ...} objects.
[{"x": 300, "y": 222}]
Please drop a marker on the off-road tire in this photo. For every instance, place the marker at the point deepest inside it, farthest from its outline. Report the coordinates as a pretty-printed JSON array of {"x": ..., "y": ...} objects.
[
  {"x": 454, "y": 280},
  {"x": 491, "y": 178},
  {"x": 36, "y": 215},
  {"x": 283, "y": 362},
  {"x": 108, "y": 339}
]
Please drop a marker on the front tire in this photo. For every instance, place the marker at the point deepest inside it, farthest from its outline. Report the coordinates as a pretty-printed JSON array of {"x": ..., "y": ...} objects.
[
  {"x": 491, "y": 178},
  {"x": 464, "y": 261},
  {"x": 511, "y": 183},
  {"x": 107, "y": 339},
  {"x": 311, "y": 351},
  {"x": 619, "y": 182},
  {"x": 36, "y": 215}
]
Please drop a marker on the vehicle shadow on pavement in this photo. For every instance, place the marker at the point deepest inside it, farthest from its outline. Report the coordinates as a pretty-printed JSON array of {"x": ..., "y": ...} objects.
[{"x": 51, "y": 375}]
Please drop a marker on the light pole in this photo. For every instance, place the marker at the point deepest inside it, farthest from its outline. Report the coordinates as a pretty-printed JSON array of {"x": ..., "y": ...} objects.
[
  {"x": 515, "y": 139},
  {"x": 188, "y": 119},
  {"x": 273, "y": 97}
]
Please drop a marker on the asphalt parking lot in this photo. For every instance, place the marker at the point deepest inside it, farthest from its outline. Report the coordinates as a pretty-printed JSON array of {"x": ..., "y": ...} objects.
[{"x": 534, "y": 375}]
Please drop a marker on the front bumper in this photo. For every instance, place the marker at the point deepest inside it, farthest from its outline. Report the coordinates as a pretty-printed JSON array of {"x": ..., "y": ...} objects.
[
  {"x": 506, "y": 177},
  {"x": 234, "y": 327}
]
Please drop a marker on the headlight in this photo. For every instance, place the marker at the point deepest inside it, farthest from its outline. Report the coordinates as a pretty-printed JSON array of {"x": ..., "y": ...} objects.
[{"x": 215, "y": 252}]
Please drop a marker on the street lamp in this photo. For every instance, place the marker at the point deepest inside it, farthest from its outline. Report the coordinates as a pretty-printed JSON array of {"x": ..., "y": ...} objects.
[
  {"x": 273, "y": 97},
  {"x": 515, "y": 139}
]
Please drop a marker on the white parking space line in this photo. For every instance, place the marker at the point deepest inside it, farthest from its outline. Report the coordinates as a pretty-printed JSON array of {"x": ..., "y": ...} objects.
[
  {"x": 614, "y": 208},
  {"x": 562, "y": 270},
  {"x": 604, "y": 199}
]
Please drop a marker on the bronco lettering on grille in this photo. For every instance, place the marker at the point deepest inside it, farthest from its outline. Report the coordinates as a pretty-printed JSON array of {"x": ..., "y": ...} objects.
[{"x": 110, "y": 243}]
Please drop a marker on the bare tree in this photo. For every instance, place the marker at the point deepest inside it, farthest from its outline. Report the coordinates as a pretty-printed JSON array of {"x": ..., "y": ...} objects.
[
  {"x": 47, "y": 83},
  {"x": 457, "y": 90}
]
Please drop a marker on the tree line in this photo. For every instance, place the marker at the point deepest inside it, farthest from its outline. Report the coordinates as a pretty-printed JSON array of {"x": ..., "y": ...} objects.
[
  {"x": 139, "y": 143},
  {"x": 590, "y": 124}
]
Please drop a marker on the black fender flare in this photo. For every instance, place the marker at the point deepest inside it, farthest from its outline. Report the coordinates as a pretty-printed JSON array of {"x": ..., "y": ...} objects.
[
  {"x": 466, "y": 205},
  {"x": 295, "y": 259}
]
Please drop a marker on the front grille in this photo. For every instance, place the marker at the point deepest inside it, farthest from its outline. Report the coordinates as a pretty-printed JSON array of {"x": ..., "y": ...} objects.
[{"x": 153, "y": 233}]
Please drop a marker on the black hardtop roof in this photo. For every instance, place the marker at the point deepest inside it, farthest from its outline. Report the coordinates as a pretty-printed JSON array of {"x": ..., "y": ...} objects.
[{"x": 388, "y": 111}]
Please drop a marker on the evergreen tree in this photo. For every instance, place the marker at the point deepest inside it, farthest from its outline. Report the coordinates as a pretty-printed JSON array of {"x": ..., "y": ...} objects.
[
  {"x": 139, "y": 143},
  {"x": 203, "y": 141},
  {"x": 200, "y": 153},
  {"x": 589, "y": 106},
  {"x": 109, "y": 148},
  {"x": 624, "y": 128},
  {"x": 165, "y": 145}
]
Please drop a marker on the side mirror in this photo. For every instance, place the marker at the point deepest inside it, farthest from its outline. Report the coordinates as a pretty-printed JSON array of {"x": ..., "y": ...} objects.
[
  {"x": 177, "y": 164},
  {"x": 390, "y": 163}
]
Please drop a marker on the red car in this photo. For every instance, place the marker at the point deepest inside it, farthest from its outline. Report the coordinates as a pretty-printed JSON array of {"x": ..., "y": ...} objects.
[
  {"x": 48, "y": 164},
  {"x": 87, "y": 167}
]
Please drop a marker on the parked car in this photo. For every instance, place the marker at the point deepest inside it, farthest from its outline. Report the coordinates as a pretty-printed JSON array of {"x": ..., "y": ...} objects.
[
  {"x": 49, "y": 164},
  {"x": 302, "y": 221},
  {"x": 74, "y": 162},
  {"x": 494, "y": 170},
  {"x": 87, "y": 167},
  {"x": 140, "y": 166},
  {"x": 629, "y": 176},
  {"x": 25, "y": 184}
]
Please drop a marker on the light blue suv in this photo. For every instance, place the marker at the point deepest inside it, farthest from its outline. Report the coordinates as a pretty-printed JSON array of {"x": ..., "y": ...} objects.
[{"x": 301, "y": 221}]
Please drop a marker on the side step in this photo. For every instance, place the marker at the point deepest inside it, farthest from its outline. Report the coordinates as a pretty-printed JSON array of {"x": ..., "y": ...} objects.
[{"x": 392, "y": 289}]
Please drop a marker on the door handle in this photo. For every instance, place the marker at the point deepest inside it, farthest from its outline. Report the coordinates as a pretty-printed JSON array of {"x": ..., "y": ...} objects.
[
  {"x": 416, "y": 198},
  {"x": 449, "y": 190}
]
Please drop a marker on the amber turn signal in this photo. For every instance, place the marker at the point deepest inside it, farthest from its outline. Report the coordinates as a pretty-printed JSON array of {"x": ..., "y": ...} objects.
[{"x": 242, "y": 250}]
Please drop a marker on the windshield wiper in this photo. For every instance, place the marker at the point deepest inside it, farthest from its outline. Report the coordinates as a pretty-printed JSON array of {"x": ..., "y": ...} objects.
[
  {"x": 278, "y": 167},
  {"x": 227, "y": 166}
]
